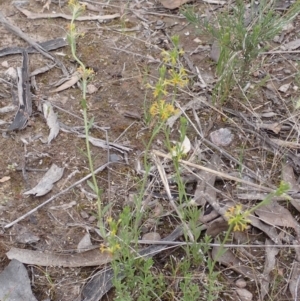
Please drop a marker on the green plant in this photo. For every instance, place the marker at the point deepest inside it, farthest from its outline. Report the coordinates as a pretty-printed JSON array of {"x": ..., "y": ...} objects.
[
  {"x": 238, "y": 220},
  {"x": 240, "y": 35},
  {"x": 195, "y": 252},
  {"x": 124, "y": 233},
  {"x": 50, "y": 281},
  {"x": 135, "y": 277},
  {"x": 190, "y": 290},
  {"x": 140, "y": 283}
]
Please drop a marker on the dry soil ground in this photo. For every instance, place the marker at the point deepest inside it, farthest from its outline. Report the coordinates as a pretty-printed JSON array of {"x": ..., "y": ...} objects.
[{"x": 125, "y": 54}]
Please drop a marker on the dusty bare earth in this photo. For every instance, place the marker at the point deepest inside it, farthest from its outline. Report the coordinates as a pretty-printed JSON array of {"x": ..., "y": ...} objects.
[{"x": 125, "y": 54}]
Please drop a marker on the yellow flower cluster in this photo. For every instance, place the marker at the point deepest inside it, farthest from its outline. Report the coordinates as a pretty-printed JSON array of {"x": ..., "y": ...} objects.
[
  {"x": 177, "y": 78},
  {"x": 162, "y": 110},
  {"x": 172, "y": 55},
  {"x": 174, "y": 77},
  {"x": 85, "y": 73},
  {"x": 237, "y": 218},
  {"x": 74, "y": 4},
  {"x": 76, "y": 8},
  {"x": 113, "y": 245},
  {"x": 112, "y": 249}
]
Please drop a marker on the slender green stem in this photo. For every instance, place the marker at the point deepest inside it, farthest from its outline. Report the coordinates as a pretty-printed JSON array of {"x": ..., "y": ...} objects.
[
  {"x": 72, "y": 40},
  {"x": 155, "y": 132}
]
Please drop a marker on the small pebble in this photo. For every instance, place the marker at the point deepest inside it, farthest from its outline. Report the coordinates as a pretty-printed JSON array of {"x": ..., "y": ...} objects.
[
  {"x": 83, "y": 214},
  {"x": 197, "y": 40},
  {"x": 4, "y": 64},
  {"x": 92, "y": 218},
  {"x": 91, "y": 89},
  {"x": 11, "y": 73},
  {"x": 244, "y": 294},
  {"x": 151, "y": 236},
  {"x": 221, "y": 137},
  {"x": 114, "y": 158},
  {"x": 288, "y": 27},
  {"x": 241, "y": 283}
]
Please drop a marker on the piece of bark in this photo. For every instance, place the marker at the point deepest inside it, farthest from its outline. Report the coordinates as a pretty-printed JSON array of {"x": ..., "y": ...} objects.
[
  {"x": 6, "y": 24},
  {"x": 47, "y": 45},
  {"x": 24, "y": 95}
]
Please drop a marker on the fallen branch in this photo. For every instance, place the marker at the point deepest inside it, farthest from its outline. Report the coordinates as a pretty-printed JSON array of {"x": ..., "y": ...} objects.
[{"x": 31, "y": 15}]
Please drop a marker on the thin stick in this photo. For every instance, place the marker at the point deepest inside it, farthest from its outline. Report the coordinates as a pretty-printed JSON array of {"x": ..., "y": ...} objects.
[
  {"x": 218, "y": 173},
  {"x": 124, "y": 132},
  {"x": 55, "y": 196},
  {"x": 296, "y": 288},
  {"x": 280, "y": 52},
  {"x": 163, "y": 177},
  {"x": 183, "y": 243},
  {"x": 74, "y": 115}
]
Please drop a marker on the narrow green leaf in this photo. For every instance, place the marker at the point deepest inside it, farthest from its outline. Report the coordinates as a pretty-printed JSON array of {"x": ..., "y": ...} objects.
[
  {"x": 91, "y": 122},
  {"x": 91, "y": 185}
]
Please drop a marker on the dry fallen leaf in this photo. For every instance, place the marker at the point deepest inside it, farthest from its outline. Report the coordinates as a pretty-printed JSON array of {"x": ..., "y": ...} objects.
[
  {"x": 182, "y": 148},
  {"x": 270, "y": 262},
  {"x": 31, "y": 15},
  {"x": 275, "y": 127},
  {"x": 276, "y": 215},
  {"x": 294, "y": 280},
  {"x": 267, "y": 229},
  {"x": 85, "y": 243},
  {"x": 46, "y": 183},
  {"x": 4, "y": 179},
  {"x": 284, "y": 143},
  {"x": 71, "y": 82},
  {"x": 288, "y": 176},
  {"x": 172, "y": 4},
  {"x": 52, "y": 121},
  {"x": 284, "y": 88},
  {"x": 84, "y": 259},
  {"x": 291, "y": 45},
  {"x": 230, "y": 260}
]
